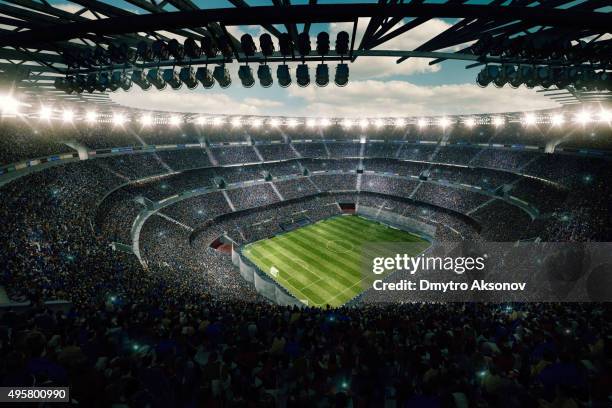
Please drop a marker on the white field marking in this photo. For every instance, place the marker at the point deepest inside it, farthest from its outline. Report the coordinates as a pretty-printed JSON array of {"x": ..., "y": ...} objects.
[{"x": 350, "y": 287}]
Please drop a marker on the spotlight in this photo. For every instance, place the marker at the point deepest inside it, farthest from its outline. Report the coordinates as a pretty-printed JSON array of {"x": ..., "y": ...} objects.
[
  {"x": 400, "y": 122},
  {"x": 245, "y": 73},
  {"x": 342, "y": 75},
  {"x": 266, "y": 45},
  {"x": 160, "y": 50},
  {"x": 217, "y": 122},
  {"x": 9, "y": 105},
  {"x": 92, "y": 82},
  {"x": 155, "y": 77},
  {"x": 201, "y": 120},
  {"x": 264, "y": 74},
  {"x": 342, "y": 43},
  {"x": 529, "y": 119},
  {"x": 236, "y": 122},
  {"x": 285, "y": 44},
  {"x": 304, "y": 44},
  {"x": 140, "y": 79},
  {"x": 256, "y": 123},
  {"x": 176, "y": 49},
  {"x": 146, "y": 119},
  {"x": 101, "y": 57},
  {"x": 303, "y": 75},
  {"x": 605, "y": 116},
  {"x": 583, "y": 117},
  {"x": 209, "y": 47},
  {"x": 204, "y": 75},
  {"x": 171, "y": 77},
  {"x": 346, "y": 123},
  {"x": 91, "y": 116},
  {"x": 121, "y": 53},
  {"x": 222, "y": 75},
  {"x": 192, "y": 49},
  {"x": 104, "y": 82},
  {"x": 363, "y": 123},
  {"x": 274, "y": 122},
  {"x": 557, "y": 120},
  {"x": 248, "y": 45},
  {"x": 422, "y": 123},
  {"x": 324, "y": 122},
  {"x": 379, "y": 123},
  {"x": 119, "y": 119},
  {"x": 292, "y": 123},
  {"x": 121, "y": 80},
  {"x": 322, "y": 75},
  {"x": 470, "y": 122},
  {"x": 444, "y": 122},
  {"x": 174, "y": 120},
  {"x": 323, "y": 43},
  {"x": 188, "y": 77},
  {"x": 144, "y": 51},
  {"x": 45, "y": 113},
  {"x": 311, "y": 123},
  {"x": 497, "y": 121},
  {"x": 283, "y": 75},
  {"x": 68, "y": 115}
]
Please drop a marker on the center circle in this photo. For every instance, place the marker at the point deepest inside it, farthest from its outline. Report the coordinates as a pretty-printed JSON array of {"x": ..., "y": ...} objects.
[{"x": 338, "y": 246}]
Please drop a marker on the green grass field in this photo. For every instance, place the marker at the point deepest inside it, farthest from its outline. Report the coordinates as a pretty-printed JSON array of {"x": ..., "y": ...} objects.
[{"x": 321, "y": 264}]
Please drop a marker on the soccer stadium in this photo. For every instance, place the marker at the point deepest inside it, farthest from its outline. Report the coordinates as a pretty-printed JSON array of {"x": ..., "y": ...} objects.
[{"x": 249, "y": 203}]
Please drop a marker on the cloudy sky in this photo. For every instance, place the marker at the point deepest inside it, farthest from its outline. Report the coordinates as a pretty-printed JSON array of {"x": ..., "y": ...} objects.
[{"x": 377, "y": 86}]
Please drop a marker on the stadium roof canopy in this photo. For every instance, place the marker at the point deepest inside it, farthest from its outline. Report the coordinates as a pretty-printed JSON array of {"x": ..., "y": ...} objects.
[{"x": 42, "y": 40}]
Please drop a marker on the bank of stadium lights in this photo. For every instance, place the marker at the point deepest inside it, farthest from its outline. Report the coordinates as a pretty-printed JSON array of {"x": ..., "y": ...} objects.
[
  {"x": 9, "y": 105},
  {"x": 324, "y": 122},
  {"x": 45, "y": 113},
  {"x": 529, "y": 119},
  {"x": 256, "y": 123},
  {"x": 274, "y": 122},
  {"x": 347, "y": 123},
  {"x": 378, "y": 123},
  {"x": 146, "y": 119},
  {"x": 363, "y": 123},
  {"x": 422, "y": 123},
  {"x": 174, "y": 120},
  {"x": 311, "y": 122},
  {"x": 119, "y": 119},
  {"x": 469, "y": 122},
  {"x": 236, "y": 122},
  {"x": 444, "y": 122},
  {"x": 497, "y": 121},
  {"x": 583, "y": 117},
  {"x": 67, "y": 115},
  {"x": 292, "y": 123},
  {"x": 400, "y": 122}
]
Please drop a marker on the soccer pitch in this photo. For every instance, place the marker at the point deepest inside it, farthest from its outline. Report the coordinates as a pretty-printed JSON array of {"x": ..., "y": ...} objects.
[{"x": 321, "y": 264}]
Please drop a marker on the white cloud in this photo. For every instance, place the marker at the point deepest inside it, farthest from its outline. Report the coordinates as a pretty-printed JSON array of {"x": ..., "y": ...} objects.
[
  {"x": 395, "y": 98},
  {"x": 185, "y": 100}
]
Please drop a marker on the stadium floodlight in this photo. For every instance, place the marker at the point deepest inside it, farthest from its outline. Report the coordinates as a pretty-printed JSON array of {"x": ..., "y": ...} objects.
[
  {"x": 120, "y": 79},
  {"x": 188, "y": 77},
  {"x": 119, "y": 119},
  {"x": 192, "y": 49},
  {"x": 201, "y": 120},
  {"x": 347, "y": 123},
  {"x": 379, "y": 123},
  {"x": 444, "y": 122},
  {"x": 292, "y": 123},
  {"x": 264, "y": 74},
  {"x": 140, "y": 79},
  {"x": 248, "y": 45},
  {"x": 222, "y": 75},
  {"x": 303, "y": 75},
  {"x": 274, "y": 122},
  {"x": 92, "y": 82},
  {"x": 171, "y": 77},
  {"x": 266, "y": 45},
  {"x": 245, "y": 73},
  {"x": 322, "y": 75},
  {"x": 583, "y": 117},
  {"x": 204, "y": 75},
  {"x": 469, "y": 122},
  {"x": 45, "y": 113},
  {"x": 285, "y": 44},
  {"x": 68, "y": 115},
  {"x": 342, "y": 75},
  {"x": 91, "y": 116},
  {"x": 324, "y": 122},
  {"x": 400, "y": 122},
  {"x": 256, "y": 123},
  {"x": 422, "y": 123},
  {"x": 303, "y": 44},
  {"x": 217, "y": 121},
  {"x": 342, "y": 43},
  {"x": 209, "y": 47},
  {"x": 144, "y": 52},
  {"x": 529, "y": 119},
  {"x": 283, "y": 75},
  {"x": 236, "y": 122},
  {"x": 497, "y": 121},
  {"x": 311, "y": 123},
  {"x": 155, "y": 77},
  {"x": 146, "y": 119},
  {"x": 557, "y": 120},
  {"x": 174, "y": 120},
  {"x": 363, "y": 123},
  {"x": 323, "y": 43},
  {"x": 160, "y": 50},
  {"x": 176, "y": 49}
]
